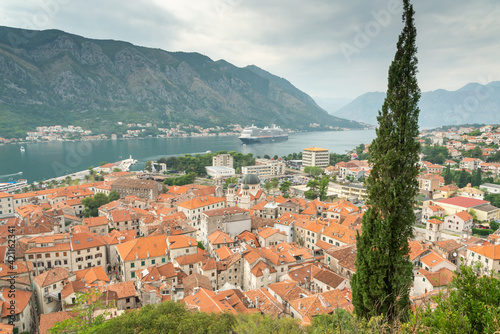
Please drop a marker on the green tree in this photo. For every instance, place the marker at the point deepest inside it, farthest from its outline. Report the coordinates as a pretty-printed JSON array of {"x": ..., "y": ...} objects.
[
  {"x": 275, "y": 182},
  {"x": 113, "y": 196},
  {"x": 472, "y": 305},
  {"x": 148, "y": 166},
  {"x": 448, "y": 177},
  {"x": 92, "y": 204},
  {"x": 268, "y": 186},
  {"x": 313, "y": 171},
  {"x": 462, "y": 178},
  {"x": 285, "y": 186},
  {"x": 84, "y": 312},
  {"x": 323, "y": 187},
  {"x": 476, "y": 178},
  {"x": 383, "y": 277}
]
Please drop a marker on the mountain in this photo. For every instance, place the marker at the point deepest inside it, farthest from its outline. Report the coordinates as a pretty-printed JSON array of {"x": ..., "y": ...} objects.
[
  {"x": 331, "y": 105},
  {"x": 52, "y": 77},
  {"x": 473, "y": 103}
]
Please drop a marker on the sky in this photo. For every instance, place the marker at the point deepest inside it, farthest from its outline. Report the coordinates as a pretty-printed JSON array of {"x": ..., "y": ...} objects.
[{"x": 327, "y": 48}]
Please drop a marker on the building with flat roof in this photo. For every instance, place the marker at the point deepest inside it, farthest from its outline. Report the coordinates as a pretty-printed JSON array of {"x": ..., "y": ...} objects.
[
  {"x": 315, "y": 156},
  {"x": 220, "y": 172},
  {"x": 265, "y": 168},
  {"x": 223, "y": 160}
]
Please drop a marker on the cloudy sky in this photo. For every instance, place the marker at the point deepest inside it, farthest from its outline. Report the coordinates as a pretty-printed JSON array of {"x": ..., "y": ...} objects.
[{"x": 327, "y": 48}]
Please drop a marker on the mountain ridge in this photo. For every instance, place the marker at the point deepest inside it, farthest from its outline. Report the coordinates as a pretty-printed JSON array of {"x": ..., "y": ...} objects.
[
  {"x": 472, "y": 103},
  {"x": 53, "y": 77}
]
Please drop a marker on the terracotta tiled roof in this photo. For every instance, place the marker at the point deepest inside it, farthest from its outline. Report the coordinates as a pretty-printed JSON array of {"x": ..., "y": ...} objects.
[
  {"x": 489, "y": 251},
  {"x": 200, "y": 202},
  {"x": 206, "y": 301},
  {"x": 288, "y": 290},
  {"x": 265, "y": 302},
  {"x": 323, "y": 303},
  {"x": 417, "y": 248},
  {"x": 191, "y": 258},
  {"x": 218, "y": 237},
  {"x": 47, "y": 321},
  {"x": 223, "y": 252},
  {"x": 73, "y": 287},
  {"x": 433, "y": 259},
  {"x": 442, "y": 277},
  {"x": 465, "y": 202},
  {"x": 52, "y": 276},
  {"x": 258, "y": 269},
  {"x": 196, "y": 281},
  {"x": 247, "y": 236},
  {"x": 85, "y": 240},
  {"x": 464, "y": 215},
  {"x": 116, "y": 237},
  {"x": 18, "y": 298},
  {"x": 95, "y": 221},
  {"x": 91, "y": 275},
  {"x": 123, "y": 290},
  {"x": 435, "y": 221},
  {"x": 267, "y": 232},
  {"x": 141, "y": 248},
  {"x": 180, "y": 241}
]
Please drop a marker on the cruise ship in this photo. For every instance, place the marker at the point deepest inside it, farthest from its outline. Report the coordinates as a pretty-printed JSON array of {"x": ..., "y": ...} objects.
[
  {"x": 254, "y": 134},
  {"x": 11, "y": 187}
]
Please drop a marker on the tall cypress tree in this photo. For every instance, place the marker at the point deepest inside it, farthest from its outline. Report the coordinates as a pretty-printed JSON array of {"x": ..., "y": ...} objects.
[{"x": 383, "y": 276}]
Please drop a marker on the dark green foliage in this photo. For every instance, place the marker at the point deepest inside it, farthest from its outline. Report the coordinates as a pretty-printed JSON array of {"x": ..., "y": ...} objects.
[
  {"x": 359, "y": 151},
  {"x": 323, "y": 187},
  {"x": 448, "y": 177},
  {"x": 285, "y": 186},
  {"x": 435, "y": 154},
  {"x": 92, "y": 204},
  {"x": 196, "y": 164},
  {"x": 383, "y": 276},
  {"x": 336, "y": 158},
  {"x": 313, "y": 171},
  {"x": 495, "y": 157},
  {"x": 113, "y": 195},
  {"x": 462, "y": 178},
  {"x": 476, "y": 178},
  {"x": 494, "y": 199},
  {"x": 180, "y": 180},
  {"x": 474, "y": 153},
  {"x": 473, "y": 306},
  {"x": 149, "y": 166},
  {"x": 481, "y": 232}
]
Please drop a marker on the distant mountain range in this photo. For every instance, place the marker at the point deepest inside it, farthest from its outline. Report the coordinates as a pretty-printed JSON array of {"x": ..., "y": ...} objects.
[
  {"x": 52, "y": 77},
  {"x": 473, "y": 103}
]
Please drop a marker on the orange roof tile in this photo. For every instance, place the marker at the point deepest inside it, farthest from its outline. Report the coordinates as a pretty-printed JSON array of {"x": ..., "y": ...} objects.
[
  {"x": 141, "y": 248},
  {"x": 200, "y": 202},
  {"x": 218, "y": 237}
]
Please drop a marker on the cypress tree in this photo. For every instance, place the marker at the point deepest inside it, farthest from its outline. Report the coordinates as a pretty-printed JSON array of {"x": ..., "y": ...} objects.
[
  {"x": 383, "y": 276},
  {"x": 447, "y": 175}
]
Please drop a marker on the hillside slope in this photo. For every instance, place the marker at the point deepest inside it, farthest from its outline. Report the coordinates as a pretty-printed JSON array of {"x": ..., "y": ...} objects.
[{"x": 52, "y": 77}]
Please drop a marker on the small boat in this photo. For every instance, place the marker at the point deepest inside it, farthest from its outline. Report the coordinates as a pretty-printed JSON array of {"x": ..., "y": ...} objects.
[{"x": 22, "y": 149}]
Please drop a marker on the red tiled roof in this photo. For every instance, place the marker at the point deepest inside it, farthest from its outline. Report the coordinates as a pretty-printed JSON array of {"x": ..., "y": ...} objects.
[{"x": 465, "y": 202}]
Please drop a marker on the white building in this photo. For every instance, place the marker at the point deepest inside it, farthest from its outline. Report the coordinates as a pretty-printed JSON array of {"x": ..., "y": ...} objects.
[
  {"x": 491, "y": 188},
  {"x": 223, "y": 160},
  {"x": 315, "y": 156},
  {"x": 265, "y": 168},
  {"x": 220, "y": 172}
]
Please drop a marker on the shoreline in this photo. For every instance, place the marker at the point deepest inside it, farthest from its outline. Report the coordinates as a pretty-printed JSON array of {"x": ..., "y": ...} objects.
[{"x": 170, "y": 137}]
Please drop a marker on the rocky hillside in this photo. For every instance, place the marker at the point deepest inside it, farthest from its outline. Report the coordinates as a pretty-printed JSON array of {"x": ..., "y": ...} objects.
[
  {"x": 473, "y": 103},
  {"x": 52, "y": 77}
]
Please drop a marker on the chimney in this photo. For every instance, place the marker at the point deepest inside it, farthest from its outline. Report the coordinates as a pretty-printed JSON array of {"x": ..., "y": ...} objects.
[
  {"x": 300, "y": 305},
  {"x": 257, "y": 302},
  {"x": 189, "y": 242}
]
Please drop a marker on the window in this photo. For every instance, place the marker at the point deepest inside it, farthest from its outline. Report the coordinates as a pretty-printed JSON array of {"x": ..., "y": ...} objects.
[
  {"x": 132, "y": 265},
  {"x": 187, "y": 250},
  {"x": 46, "y": 290},
  {"x": 47, "y": 255},
  {"x": 64, "y": 254},
  {"x": 163, "y": 260},
  {"x": 65, "y": 261},
  {"x": 132, "y": 274},
  {"x": 57, "y": 254},
  {"x": 153, "y": 261},
  {"x": 127, "y": 300},
  {"x": 54, "y": 286},
  {"x": 143, "y": 263},
  {"x": 31, "y": 257}
]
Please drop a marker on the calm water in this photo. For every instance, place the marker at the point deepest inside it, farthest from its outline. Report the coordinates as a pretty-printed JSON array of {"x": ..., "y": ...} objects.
[{"x": 43, "y": 161}]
